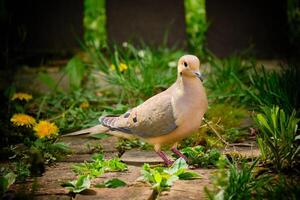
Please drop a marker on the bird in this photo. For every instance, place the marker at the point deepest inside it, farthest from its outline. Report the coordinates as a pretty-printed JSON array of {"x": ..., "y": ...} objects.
[{"x": 167, "y": 117}]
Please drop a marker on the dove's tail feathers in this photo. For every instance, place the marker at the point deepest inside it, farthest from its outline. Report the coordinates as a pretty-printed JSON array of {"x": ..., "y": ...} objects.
[
  {"x": 111, "y": 123},
  {"x": 89, "y": 131}
]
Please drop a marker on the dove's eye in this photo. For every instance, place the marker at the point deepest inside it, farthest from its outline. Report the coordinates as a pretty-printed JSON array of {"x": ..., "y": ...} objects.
[{"x": 185, "y": 64}]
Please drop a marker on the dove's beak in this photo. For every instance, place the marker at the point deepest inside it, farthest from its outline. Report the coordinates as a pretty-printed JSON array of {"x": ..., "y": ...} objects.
[{"x": 199, "y": 75}]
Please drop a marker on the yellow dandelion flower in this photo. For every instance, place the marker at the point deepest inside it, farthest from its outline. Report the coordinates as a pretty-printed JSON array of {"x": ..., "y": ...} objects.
[
  {"x": 21, "y": 96},
  {"x": 45, "y": 129},
  {"x": 123, "y": 67},
  {"x": 112, "y": 67},
  {"x": 84, "y": 105},
  {"x": 20, "y": 119}
]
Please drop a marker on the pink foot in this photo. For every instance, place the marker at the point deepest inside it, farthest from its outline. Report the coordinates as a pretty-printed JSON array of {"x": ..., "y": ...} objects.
[
  {"x": 165, "y": 158},
  {"x": 178, "y": 153}
]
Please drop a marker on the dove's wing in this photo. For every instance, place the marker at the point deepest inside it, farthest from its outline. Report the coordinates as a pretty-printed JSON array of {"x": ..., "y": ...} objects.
[{"x": 153, "y": 118}]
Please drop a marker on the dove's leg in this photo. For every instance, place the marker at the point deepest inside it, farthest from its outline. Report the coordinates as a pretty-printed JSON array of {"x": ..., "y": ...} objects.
[
  {"x": 163, "y": 156},
  {"x": 178, "y": 153}
]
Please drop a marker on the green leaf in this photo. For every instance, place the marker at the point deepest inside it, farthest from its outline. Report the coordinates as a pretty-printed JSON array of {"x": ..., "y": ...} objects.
[
  {"x": 157, "y": 177},
  {"x": 114, "y": 183},
  {"x": 75, "y": 71},
  {"x": 77, "y": 186},
  {"x": 263, "y": 121},
  {"x": 189, "y": 176}
]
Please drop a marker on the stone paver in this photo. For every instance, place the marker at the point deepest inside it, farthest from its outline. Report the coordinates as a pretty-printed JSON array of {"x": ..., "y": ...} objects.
[
  {"x": 50, "y": 182},
  {"x": 86, "y": 145},
  {"x": 132, "y": 193},
  {"x": 189, "y": 189},
  {"x": 130, "y": 176},
  {"x": 138, "y": 157},
  {"x": 79, "y": 158},
  {"x": 243, "y": 151},
  {"x": 52, "y": 197}
]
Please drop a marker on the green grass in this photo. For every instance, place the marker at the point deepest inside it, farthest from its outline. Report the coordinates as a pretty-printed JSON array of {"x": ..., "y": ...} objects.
[
  {"x": 278, "y": 138},
  {"x": 238, "y": 182},
  {"x": 148, "y": 71}
]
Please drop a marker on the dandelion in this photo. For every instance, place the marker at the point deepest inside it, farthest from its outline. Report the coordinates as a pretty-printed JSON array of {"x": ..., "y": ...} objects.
[
  {"x": 21, "y": 96},
  {"x": 123, "y": 67},
  {"x": 84, "y": 105},
  {"x": 45, "y": 129},
  {"x": 20, "y": 119}
]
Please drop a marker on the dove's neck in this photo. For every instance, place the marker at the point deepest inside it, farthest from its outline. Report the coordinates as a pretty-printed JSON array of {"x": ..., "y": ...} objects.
[{"x": 189, "y": 84}]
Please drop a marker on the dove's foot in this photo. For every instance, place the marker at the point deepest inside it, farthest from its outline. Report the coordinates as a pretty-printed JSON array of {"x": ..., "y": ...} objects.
[
  {"x": 178, "y": 153},
  {"x": 166, "y": 160}
]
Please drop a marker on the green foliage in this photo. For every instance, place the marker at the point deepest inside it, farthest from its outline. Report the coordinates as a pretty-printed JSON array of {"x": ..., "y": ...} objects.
[
  {"x": 223, "y": 80},
  {"x": 22, "y": 170},
  {"x": 75, "y": 71},
  {"x": 268, "y": 88},
  {"x": 201, "y": 157},
  {"x": 50, "y": 150},
  {"x": 79, "y": 185},
  {"x": 277, "y": 136},
  {"x": 94, "y": 23},
  {"x": 196, "y": 26},
  {"x": 237, "y": 183},
  {"x": 162, "y": 178},
  {"x": 98, "y": 166},
  {"x": 6, "y": 181},
  {"x": 112, "y": 183},
  {"x": 283, "y": 188},
  {"x": 138, "y": 73}
]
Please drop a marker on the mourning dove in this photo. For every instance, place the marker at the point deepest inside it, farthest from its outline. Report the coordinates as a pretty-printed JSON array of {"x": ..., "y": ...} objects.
[{"x": 165, "y": 118}]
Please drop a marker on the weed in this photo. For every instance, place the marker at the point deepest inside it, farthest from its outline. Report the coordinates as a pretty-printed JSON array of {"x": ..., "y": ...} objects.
[
  {"x": 162, "y": 178},
  {"x": 277, "y": 136},
  {"x": 201, "y": 157},
  {"x": 237, "y": 183},
  {"x": 112, "y": 183},
  {"x": 98, "y": 166},
  {"x": 79, "y": 185},
  {"x": 6, "y": 181}
]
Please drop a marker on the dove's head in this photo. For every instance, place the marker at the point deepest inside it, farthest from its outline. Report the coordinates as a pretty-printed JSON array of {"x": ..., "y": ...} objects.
[{"x": 188, "y": 66}]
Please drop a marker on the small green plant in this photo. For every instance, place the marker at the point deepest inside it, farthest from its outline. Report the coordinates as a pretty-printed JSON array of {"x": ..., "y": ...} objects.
[
  {"x": 6, "y": 181},
  {"x": 22, "y": 170},
  {"x": 201, "y": 157},
  {"x": 50, "y": 150},
  {"x": 112, "y": 183},
  {"x": 162, "y": 178},
  {"x": 277, "y": 137},
  {"x": 98, "y": 166},
  {"x": 79, "y": 185},
  {"x": 237, "y": 183}
]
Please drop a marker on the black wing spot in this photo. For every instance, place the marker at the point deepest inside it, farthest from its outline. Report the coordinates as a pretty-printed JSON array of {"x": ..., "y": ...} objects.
[
  {"x": 134, "y": 119},
  {"x": 126, "y": 115}
]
